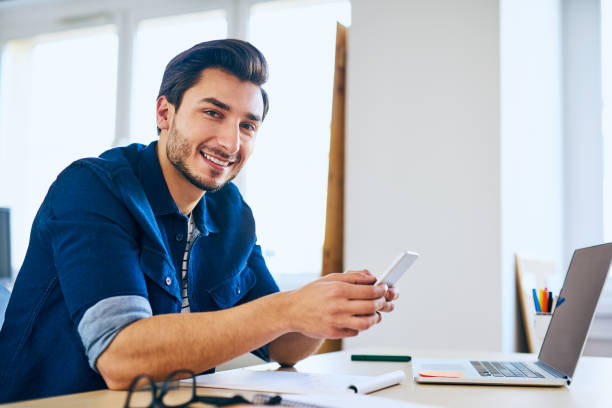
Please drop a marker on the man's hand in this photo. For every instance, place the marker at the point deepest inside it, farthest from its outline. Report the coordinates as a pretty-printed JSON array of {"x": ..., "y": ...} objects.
[
  {"x": 339, "y": 305},
  {"x": 391, "y": 295}
]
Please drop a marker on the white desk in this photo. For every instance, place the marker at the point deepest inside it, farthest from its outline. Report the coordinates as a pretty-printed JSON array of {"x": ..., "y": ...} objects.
[{"x": 591, "y": 387}]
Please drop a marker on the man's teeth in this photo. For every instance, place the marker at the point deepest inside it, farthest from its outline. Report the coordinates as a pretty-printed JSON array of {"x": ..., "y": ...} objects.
[{"x": 216, "y": 161}]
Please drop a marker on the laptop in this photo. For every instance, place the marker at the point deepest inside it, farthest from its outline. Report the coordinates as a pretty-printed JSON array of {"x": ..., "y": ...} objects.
[{"x": 563, "y": 343}]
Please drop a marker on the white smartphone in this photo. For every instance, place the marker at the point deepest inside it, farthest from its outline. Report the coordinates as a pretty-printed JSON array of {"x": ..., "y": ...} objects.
[{"x": 397, "y": 268}]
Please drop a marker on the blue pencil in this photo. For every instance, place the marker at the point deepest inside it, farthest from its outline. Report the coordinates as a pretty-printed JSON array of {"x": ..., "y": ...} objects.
[{"x": 536, "y": 302}]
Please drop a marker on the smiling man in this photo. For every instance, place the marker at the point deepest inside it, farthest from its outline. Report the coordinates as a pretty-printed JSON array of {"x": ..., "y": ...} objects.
[{"x": 145, "y": 260}]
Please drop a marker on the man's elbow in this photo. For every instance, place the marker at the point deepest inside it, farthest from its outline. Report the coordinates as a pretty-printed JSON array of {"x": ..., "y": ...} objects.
[
  {"x": 284, "y": 358},
  {"x": 286, "y": 363},
  {"x": 113, "y": 372}
]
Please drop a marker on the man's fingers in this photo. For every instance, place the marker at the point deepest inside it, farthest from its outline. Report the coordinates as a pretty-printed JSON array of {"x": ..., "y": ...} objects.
[
  {"x": 392, "y": 294},
  {"x": 361, "y": 292},
  {"x": 368, "y": 307},
  {"x": 387, "y": 308},
  {"x": 362, "y": 277},
  {"x": 363, "y": 322},
  {"x": 362, "y": 271},
  {"x": 364, "y": 307}
]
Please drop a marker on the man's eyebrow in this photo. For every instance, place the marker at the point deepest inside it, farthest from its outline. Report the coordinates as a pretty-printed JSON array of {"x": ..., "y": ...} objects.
[
  {"x": 217, "y": 103},
  {"x": 226, "y": 107},
  {"x": 253, "y": 117}
]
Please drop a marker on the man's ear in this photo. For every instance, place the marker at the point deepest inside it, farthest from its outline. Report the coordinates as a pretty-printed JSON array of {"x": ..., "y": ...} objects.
[{"x": 164, "y": 111}]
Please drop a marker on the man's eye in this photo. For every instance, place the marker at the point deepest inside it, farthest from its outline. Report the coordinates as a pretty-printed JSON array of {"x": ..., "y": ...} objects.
[
  {"x": 248, "y": 126},
  {"x": 213, "y": 113}
]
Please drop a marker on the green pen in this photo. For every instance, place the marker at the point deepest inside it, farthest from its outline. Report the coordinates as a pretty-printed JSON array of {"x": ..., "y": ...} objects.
[{"x": 378, "y": 357}]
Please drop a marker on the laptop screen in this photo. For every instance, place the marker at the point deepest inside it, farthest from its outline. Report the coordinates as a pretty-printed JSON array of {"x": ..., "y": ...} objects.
[{"x": 572, "y": 317}]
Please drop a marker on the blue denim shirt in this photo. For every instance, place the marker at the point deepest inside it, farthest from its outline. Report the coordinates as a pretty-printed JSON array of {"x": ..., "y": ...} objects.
[{"x": 109, "y": 227}]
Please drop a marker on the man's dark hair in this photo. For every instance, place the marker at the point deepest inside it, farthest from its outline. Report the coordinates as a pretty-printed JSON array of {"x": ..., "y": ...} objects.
[{"x": 236, "y": 57}]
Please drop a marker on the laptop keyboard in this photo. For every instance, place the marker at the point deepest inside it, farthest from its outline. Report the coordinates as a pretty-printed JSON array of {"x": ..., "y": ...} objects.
[{"x": 504, "y": 369}]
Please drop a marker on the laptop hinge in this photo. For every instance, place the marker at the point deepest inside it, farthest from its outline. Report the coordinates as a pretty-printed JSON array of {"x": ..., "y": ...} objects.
[{"x": 552, "y": 371}]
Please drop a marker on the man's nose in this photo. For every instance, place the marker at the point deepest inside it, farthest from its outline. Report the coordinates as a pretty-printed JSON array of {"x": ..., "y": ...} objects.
[{"x": 229, "y": 138}]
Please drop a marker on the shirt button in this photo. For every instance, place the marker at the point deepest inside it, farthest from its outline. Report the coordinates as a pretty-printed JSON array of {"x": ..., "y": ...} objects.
[
  {"x": 179, "y": 237},
  {"x": 168, "y": 281},
  {"x": 238, "y": 290}
]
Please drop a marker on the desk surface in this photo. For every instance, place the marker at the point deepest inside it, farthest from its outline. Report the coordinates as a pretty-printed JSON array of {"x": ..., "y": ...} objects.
[{"x": 590, "y": 386}]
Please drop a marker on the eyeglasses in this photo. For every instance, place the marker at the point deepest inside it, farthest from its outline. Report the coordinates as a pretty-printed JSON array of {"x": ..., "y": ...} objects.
[{"x": 177, "y": 391}]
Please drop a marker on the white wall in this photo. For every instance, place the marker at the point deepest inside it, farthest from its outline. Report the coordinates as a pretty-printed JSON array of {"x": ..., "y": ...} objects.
[
  {"x": 474, "y": 133},
  {"x": 423, "y": 166}
]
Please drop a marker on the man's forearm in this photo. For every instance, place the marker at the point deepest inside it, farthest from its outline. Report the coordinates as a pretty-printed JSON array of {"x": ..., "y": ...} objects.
[
  {"x": 161, "y": 344},
  {"x": 290, "y": 348},
  {"x": 335, "y": 306}
]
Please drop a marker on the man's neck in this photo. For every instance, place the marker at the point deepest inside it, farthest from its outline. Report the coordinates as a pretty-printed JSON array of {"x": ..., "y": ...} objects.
[{"x": 185, "y": 195}]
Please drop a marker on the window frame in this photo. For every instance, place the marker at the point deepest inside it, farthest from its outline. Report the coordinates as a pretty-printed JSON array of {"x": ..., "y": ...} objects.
[
  {"x": 125, "y": 16},
  {"x": 52, "y": 16}
]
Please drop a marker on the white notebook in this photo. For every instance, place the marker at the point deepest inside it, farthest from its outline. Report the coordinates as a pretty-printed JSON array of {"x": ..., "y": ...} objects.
[
  {"x": 298, "y": 383},
  {"x": 343, "y": 400}
]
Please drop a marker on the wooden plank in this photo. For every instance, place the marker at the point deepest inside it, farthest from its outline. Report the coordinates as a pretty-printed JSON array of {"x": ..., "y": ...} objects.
[{"x": 333, "y": 245}]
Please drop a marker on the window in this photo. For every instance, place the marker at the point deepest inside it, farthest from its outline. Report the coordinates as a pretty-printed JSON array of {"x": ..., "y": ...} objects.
[
  {"x": 67, "y": 93},
  {"x": 52, "y": 114},
  {"x": 286, "y": 178}
]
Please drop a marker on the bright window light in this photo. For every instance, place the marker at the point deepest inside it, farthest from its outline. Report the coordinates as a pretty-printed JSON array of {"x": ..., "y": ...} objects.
[
  {"x": 57, "y": 105},
  {"x": 286, "y": 178},
  {"x": 157, "y": 42}
]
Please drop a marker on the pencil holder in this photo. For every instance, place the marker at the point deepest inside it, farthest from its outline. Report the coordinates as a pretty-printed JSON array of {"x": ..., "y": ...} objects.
[{"x": 540, "y": 326}]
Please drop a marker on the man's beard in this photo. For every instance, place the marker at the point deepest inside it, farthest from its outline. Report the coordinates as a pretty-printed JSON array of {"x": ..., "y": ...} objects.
[{"x": 178, "y": 149}]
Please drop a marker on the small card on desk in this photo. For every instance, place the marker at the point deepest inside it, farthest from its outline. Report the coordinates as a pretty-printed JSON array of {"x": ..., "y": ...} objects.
[{"x": 441, "y": 374}]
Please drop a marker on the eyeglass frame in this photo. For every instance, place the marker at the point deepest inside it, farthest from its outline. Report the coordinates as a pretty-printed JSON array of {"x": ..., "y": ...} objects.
[{"x": 159, "y": 393}]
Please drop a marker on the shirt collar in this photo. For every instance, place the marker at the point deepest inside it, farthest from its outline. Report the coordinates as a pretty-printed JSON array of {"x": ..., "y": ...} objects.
[
  {"x": 202, "y": 219},
  {"x": 159, "y": 197}
]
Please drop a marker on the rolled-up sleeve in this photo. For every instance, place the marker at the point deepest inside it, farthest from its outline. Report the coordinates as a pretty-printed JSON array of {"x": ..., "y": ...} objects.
[{"x": 104, "y": 320}]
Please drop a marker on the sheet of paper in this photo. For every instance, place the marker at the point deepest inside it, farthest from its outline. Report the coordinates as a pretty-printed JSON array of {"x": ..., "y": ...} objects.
[
  {"x": 343, "y": 400},
  {"x": 295, "y": 382},
  {"x": 368, "y": 384}
]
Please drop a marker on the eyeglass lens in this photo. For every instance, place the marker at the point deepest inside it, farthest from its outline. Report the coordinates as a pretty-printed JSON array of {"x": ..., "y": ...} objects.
[
  {"x": 142, "y": 393},
  {"x": 178, "y": 389}
]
